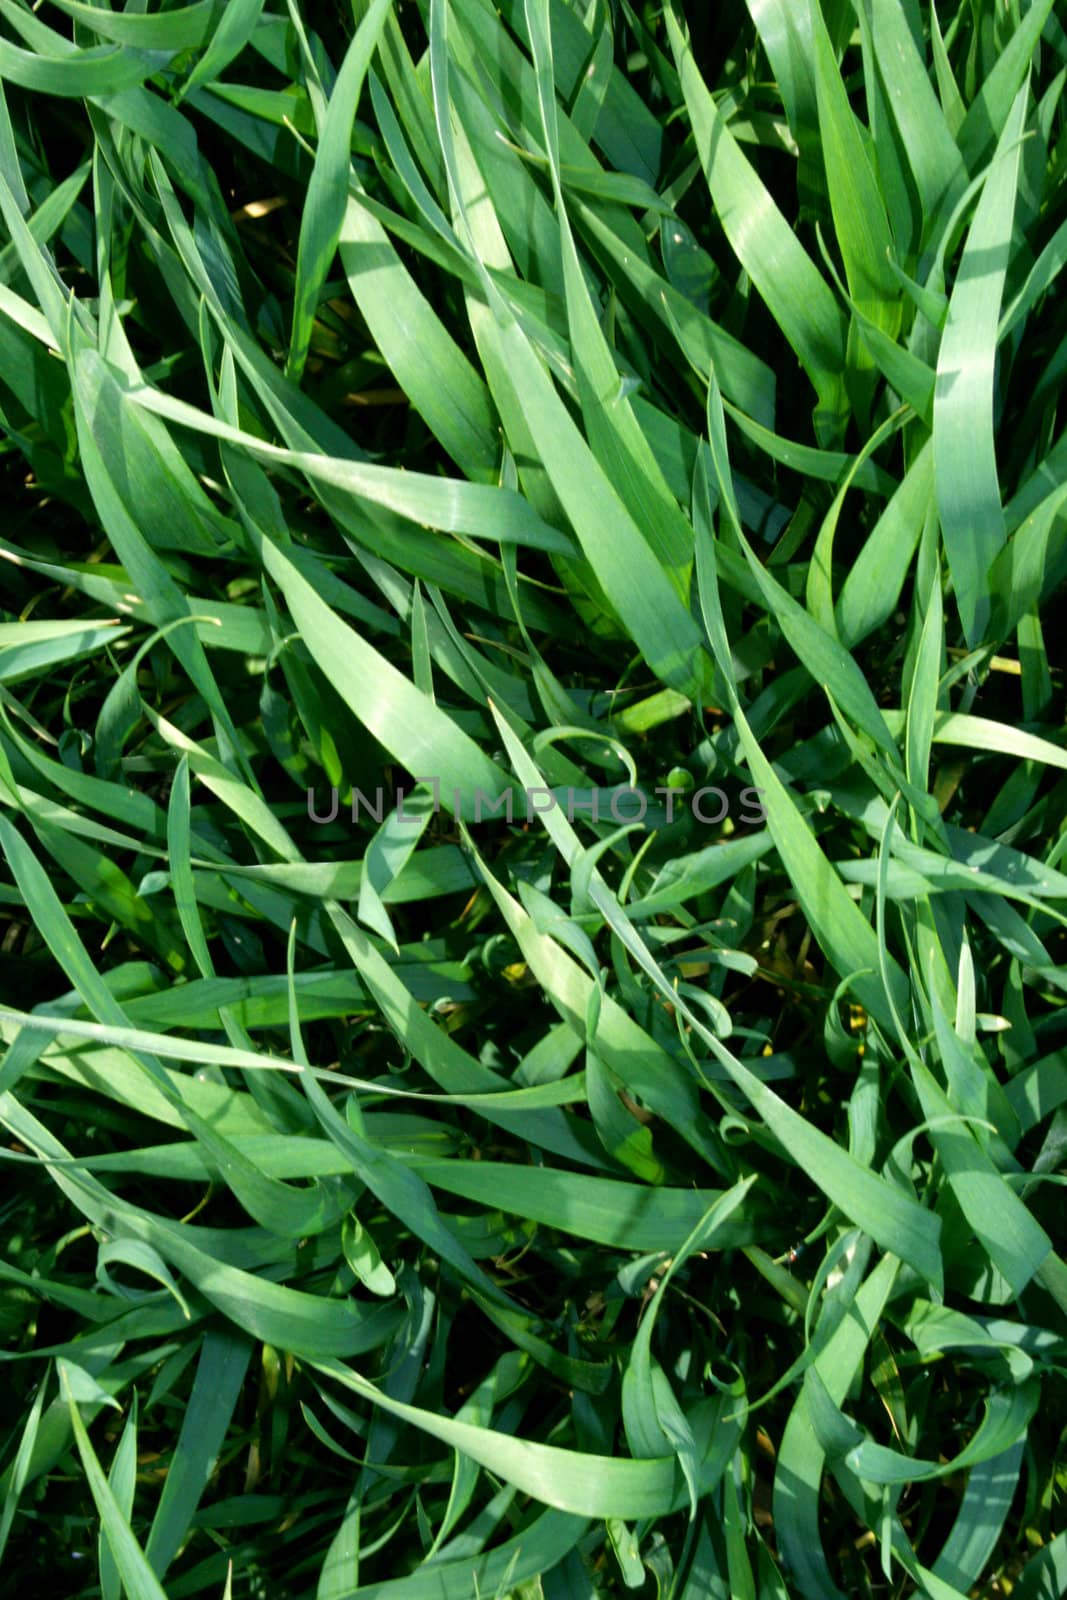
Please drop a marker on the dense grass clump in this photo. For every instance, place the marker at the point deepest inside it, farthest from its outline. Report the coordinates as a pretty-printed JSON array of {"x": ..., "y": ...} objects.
[{"x": 533, "y": 799}]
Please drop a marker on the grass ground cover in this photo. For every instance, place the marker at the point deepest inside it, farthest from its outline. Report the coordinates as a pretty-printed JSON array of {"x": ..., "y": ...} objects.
[{"x": 533, "y": 789}]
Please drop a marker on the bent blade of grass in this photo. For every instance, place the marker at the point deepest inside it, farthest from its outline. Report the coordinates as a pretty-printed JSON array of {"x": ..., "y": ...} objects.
[
  {"x": 137, "y": 1576},
  {"x": 986, "y": 1502},
  {"x": 407, "y": 722},
  {"x": 183, "y": 29},
  {"x": 860, "y": 220},
  {"x": 576, "y": 1481},
  {"x": 327, "y": 195},
  {"x": 17, "y": 1475},
  {"x": 933, "y": 155},
  {"x": 236, "y": 24},
  {"x": 220, "y": 1374},
  {"x": 122, "y": 1477},
  {"x": 427, "y": 363},
  {"x": 798, "y": 1470},
  {"x": 768, "y": 249},
  {"x": 991, "y": 110},
  {"x": 454, "y": 506},
  {"x": 965, "y": 463},
  {"x": 107, "y": 69},
  {"x": 615, "y": 438}
]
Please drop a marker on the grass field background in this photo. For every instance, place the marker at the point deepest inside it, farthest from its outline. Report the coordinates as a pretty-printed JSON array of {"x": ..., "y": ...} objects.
[{"x": 658, "y": 1193}]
